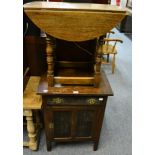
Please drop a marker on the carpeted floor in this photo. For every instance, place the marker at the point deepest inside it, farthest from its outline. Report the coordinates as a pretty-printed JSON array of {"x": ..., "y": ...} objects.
[{"x": 116, "y": 134}]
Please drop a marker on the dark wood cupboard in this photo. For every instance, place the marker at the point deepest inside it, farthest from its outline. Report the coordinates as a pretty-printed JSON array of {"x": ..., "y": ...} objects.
[
  {"x": 73, "y": 123},
  {"x": 73, "y": 113}
]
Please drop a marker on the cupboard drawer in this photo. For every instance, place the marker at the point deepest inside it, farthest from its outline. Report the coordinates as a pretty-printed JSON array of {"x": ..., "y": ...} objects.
[{"x": 74, "y": 100}]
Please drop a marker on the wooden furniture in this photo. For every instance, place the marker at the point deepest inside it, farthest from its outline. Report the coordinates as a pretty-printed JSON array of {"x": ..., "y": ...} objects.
[
  {"x": 73, "y": 113},
  {"x": 88, "y": 20},
  {"x": 32, "y": 29},
  {"x": 85, "y": 1},
  {"x": 101, "y": 1},
  {"x": 35, "y": 54},
  {"x": 73, "y": 22},
  {"x": 110, "y": 49},
  {"x": 31, "y": 105},
  {"x": 34, "y": 46}
]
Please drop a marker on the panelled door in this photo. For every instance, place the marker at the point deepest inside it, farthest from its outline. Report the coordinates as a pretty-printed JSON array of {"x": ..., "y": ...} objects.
[{"x": 70, "y": 122}]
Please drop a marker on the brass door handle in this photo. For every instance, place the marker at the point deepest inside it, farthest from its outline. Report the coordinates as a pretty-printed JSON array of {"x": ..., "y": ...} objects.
[{"x": 51, "y": 125}]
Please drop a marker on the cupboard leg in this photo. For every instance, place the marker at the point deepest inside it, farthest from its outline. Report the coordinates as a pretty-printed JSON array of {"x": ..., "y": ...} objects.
[
  {"x": 48, "y": 145},
  {"x": 95, "y": 145}
]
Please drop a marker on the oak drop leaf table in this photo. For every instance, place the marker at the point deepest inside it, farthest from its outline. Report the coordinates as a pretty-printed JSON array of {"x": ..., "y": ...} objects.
[{"x": 74, "y": 22}]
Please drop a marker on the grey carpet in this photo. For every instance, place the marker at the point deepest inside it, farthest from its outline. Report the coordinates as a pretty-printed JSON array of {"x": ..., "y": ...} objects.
[{"x": 116, "y": 132}]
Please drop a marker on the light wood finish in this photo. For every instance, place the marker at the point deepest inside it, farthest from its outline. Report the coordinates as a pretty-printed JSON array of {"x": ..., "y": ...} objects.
[
  {"x": 74, "y": 21},
  {"x": 108, "y": 49},
  {"x": 73, "y": 6},
  {"x": 26, "y": 144},
  {"x": 129, "y": 11},
  {"x": 31, "y": 102},
  {"x": 75, "y": 80},
  {"x": 104, "y": 87},
  {"x": 113, "y": 39},
  {"x": 30, "y": 99},
  {"x": 97, "y": 66},
  {"x": 32, "y": 143}
]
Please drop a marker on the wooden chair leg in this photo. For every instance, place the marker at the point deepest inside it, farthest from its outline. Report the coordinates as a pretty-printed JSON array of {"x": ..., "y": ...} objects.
[
  {"x": 107, "y": 57},
  {"x": 113, "y": 64}
]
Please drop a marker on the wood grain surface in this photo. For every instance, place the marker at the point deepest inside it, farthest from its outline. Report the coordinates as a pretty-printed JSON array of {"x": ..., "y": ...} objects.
[
  {"x": 74, "y": 21},
  {"x": 30, "y": 99},
  {"x": 104, "y": 88}
]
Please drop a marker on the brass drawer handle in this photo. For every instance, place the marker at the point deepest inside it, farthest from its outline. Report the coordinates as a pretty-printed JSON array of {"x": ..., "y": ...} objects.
[
  {"x": 57, "y": 100},
  {"x": 91, "y": 101}
]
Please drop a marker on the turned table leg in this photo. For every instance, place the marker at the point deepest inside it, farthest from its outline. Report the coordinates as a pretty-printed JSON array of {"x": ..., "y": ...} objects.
[
  {"x": 97, "y": 66},
  {"x": 50, "y": 45},
  {"x": 32, "y": 143}
]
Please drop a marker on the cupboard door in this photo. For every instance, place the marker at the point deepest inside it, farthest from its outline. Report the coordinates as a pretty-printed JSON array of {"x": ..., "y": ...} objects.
[
  {"x": 74, "y": 123},
  {"x": 85, "y": 123},
  {"x": 62, "y": 124}
]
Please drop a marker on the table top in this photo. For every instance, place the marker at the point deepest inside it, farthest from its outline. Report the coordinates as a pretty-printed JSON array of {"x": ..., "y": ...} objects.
[
  {"x": 74, "y": 21},
  {"x": 74, "y": 6},
  {"x": 103, "y": 90},
  {"x": 30, "y": 99}
]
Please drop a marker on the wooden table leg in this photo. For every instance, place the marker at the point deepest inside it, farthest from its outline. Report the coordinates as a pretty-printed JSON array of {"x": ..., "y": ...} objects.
[
  {"x": 50, "y": 46},
  {"x": 32, "y": 144},
  {"x": 97, "y": 66}
]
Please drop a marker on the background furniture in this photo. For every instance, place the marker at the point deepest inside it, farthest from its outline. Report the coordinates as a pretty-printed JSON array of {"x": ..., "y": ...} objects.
[
  {"x": 73, "y": 113},
  {"x": 110, "y": 49},
  {"x": 31, "y": 105},
  {"x": 35, "y": 54},
  {"x": 32, "y": 46}
]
